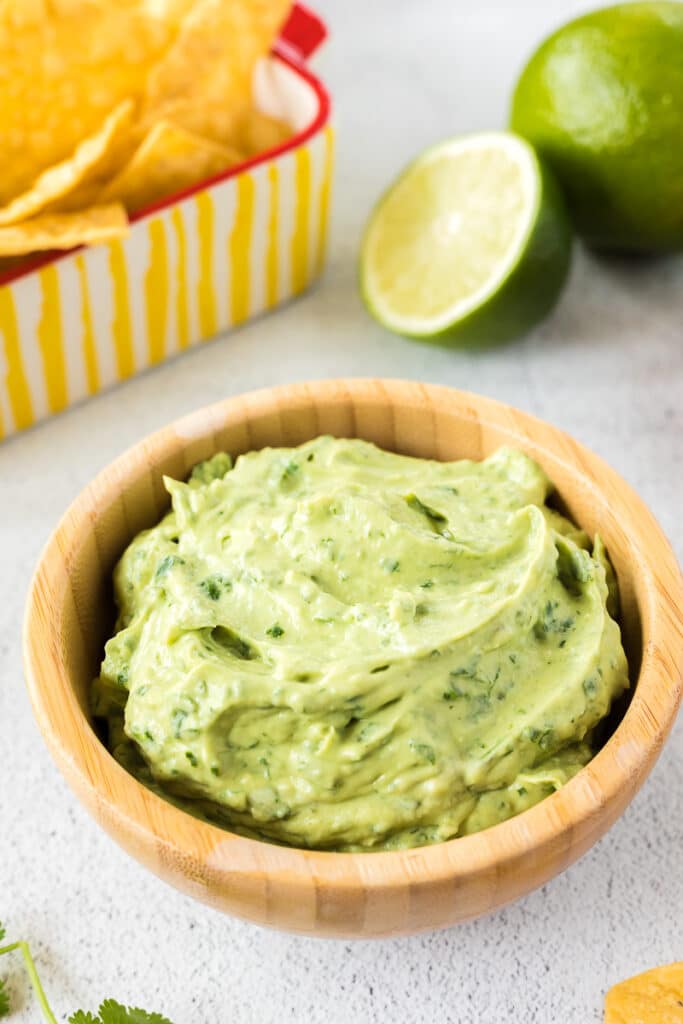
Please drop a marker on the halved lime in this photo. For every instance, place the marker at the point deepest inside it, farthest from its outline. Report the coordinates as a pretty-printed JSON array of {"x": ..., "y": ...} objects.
[{"x": 470, "y": 244}]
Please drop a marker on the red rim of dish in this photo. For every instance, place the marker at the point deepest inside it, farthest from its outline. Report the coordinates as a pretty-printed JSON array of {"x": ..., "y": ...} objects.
[{"x": 318, "y": 122}]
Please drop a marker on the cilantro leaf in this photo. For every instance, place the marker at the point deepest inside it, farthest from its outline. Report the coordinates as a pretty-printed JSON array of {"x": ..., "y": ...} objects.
[
  {"x": 4, "y": 995},
  {"x": 137, "y": 1016},
  {"x": 4, "y": 1000},
  {"x": 112, "y": 1012}
]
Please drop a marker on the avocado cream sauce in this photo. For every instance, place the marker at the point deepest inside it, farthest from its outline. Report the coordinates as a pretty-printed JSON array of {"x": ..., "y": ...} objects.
[{"x": 337, "y": 647}]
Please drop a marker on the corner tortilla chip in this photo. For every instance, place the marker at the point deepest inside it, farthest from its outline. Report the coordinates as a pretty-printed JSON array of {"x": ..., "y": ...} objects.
[
  {"x": 203, "y": 83},
  {"x": 64, "y": 66},
  {"x": 94, "y": 159},
  {"x": 169, "y": 160},
  {"x": 259, "y": 132},
  {"x": 654, "y": 997},
  {"x": 64, "y": 230}
]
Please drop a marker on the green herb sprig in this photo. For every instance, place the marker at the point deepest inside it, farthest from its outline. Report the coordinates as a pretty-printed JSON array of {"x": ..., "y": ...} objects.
[{"x": 110, "y": 1012}]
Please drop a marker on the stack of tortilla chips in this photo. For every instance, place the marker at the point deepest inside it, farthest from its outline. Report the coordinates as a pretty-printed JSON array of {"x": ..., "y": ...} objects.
[{"x": 109, "y": 105}]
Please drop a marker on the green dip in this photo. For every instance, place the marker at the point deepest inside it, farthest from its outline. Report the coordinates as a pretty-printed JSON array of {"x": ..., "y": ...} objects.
[{"x": 337, "y": 647}]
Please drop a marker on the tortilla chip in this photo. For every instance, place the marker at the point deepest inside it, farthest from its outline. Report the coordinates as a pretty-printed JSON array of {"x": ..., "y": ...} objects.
[
  {"x": 93, "y": 160},
  {"x": 257, "y": 133},
  {"x": 170, "y": 159},
  {"x": 655, "y": 997},
  {"x": 131, "y": 100},
  {"x": 203, "y": 84},
  {"x": 64, "y": 230},
  {"x": 65, "y": 66}
]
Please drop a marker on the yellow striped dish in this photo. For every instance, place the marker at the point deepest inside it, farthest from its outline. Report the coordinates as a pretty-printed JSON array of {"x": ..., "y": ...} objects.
[{"x": 189, "y": 269}]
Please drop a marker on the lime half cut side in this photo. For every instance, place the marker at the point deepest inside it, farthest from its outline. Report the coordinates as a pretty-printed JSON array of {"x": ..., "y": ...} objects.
[{"x": 470, "y": 244}]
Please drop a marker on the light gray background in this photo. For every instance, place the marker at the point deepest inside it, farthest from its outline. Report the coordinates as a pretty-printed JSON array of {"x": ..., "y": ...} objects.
[{"x": 607, "y": 366}]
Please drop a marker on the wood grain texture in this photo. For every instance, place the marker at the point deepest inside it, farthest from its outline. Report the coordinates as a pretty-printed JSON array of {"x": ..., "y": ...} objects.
[{"x": 69, "y": 615}]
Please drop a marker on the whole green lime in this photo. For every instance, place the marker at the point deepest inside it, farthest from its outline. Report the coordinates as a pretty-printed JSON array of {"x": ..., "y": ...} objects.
[{"x": 602, "y": 102}]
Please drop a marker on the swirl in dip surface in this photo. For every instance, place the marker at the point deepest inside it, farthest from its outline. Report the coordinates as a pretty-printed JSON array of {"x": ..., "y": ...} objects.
[{"x": 337, "y": 647}]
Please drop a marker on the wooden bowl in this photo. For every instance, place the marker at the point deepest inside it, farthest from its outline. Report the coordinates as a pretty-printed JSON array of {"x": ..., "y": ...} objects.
[{"x": 69, "y": 616}]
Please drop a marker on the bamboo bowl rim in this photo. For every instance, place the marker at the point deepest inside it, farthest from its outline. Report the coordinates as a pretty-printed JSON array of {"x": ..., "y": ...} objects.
[{"x": 622, "y": 763}]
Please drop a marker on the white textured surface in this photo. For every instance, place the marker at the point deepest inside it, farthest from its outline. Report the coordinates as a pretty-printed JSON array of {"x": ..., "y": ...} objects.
[{"x": 608, "y": 367}]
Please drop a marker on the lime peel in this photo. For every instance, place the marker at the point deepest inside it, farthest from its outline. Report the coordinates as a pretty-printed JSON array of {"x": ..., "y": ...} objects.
[{"x": 601, "y": 100}]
